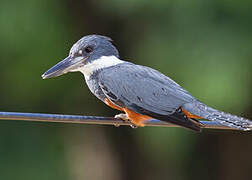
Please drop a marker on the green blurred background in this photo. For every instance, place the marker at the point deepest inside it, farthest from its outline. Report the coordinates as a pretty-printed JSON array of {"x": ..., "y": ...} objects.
[{"x": 206, "y": 46}]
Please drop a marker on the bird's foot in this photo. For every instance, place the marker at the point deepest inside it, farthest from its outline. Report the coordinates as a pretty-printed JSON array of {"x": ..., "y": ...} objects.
[
  {"x": 122, "y": 116},
  {"x": 125, "y": 117}
]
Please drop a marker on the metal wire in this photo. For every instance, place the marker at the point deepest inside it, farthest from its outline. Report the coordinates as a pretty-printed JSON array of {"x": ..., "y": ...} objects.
[{"x": 41, "y": 117}]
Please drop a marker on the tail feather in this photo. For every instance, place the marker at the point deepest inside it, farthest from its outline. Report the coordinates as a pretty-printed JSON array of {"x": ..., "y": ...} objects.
[
  {"x": 230, "y": 120},
  {"x": 223, "y": 118}
]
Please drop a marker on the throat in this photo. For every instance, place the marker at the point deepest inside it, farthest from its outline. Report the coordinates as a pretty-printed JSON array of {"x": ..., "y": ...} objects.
[{"x": 102, "y": 62}]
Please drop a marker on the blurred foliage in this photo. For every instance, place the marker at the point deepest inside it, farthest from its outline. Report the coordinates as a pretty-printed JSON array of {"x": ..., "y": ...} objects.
[{"x": 204, "y": 45}]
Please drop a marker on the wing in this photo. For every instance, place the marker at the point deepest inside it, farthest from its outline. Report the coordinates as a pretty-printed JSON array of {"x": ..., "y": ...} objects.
[{"x": 142, "y": 89}]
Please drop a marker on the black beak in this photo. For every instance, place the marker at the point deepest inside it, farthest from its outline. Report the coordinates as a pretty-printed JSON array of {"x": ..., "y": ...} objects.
[{"x": 63, "y": 67}]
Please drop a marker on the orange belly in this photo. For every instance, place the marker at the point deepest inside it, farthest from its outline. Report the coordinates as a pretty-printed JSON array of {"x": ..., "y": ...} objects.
[
  {"x": 111, "y": 104},
  {"x": 136, "y": 118}
]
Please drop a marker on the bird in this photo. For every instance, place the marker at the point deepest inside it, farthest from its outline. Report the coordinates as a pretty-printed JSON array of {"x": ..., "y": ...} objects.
[{"x": 141, "y": 92}]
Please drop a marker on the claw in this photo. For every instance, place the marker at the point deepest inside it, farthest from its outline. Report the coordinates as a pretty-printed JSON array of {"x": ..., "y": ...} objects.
[
  {"x": 124, "y": 117},
  {"x": 133, "y": 126}
]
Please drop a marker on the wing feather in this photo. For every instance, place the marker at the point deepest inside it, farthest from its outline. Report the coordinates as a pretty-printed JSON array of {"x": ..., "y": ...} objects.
[{"x": 143, "y": 89}]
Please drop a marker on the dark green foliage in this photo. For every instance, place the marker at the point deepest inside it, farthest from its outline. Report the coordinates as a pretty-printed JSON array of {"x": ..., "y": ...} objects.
[{"x": 203, "y": 45}]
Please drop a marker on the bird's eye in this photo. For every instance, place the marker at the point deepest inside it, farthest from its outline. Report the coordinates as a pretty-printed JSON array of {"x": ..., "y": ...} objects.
[{"x": 88, "y": 49}]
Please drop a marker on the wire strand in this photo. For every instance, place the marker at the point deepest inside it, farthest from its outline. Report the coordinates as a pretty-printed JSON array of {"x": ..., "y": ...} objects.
[{"x": 42, "y": 117}]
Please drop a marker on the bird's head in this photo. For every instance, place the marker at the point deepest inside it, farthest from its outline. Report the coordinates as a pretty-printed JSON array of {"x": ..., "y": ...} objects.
[{"x": 88, "y": 50}]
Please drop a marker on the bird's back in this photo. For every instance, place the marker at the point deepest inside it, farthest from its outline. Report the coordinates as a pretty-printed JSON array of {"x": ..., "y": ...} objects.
[{"x": 144, "y": 87}]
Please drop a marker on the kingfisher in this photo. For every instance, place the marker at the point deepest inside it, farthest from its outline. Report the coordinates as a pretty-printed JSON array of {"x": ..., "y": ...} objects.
[{"x": 141, "y": 92}]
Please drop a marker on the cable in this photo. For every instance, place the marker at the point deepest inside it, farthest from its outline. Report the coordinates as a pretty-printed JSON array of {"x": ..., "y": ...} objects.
[{"x": 41, "y": 117}]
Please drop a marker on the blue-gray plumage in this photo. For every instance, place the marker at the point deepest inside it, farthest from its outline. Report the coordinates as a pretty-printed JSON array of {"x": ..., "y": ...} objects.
[
  {"x": 141, "y": 92},
  {"x": 144, "y": 87}
]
